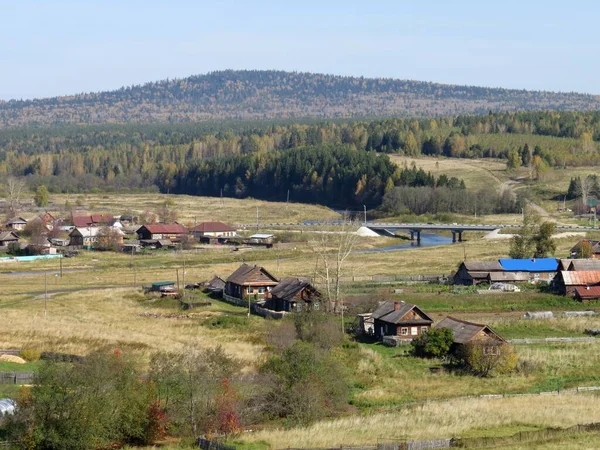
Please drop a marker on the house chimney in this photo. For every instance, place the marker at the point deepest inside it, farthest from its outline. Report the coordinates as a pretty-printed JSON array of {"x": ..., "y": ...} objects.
[{"x": 396, "y": 306}]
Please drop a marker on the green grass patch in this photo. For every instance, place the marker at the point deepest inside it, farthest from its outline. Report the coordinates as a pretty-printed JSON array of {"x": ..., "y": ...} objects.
[{"x": 20, "y": 368}]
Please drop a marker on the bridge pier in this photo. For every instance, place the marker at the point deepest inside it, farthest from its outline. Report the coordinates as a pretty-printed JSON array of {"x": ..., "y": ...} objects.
[
  {"x": 415, "y": 234},
  {"x": 454, "y": 233}
]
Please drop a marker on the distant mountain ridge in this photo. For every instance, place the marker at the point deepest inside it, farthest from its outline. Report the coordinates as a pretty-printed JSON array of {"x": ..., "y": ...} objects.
[{"x": 269, "y": 94}]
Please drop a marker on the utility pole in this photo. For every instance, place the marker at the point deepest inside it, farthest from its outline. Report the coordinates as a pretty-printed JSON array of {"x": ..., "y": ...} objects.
[
  {"x": 221, "y": 197},
  {"x": 257, "y": 219},
  {"x": 288, "y": 199},
  {"x": 183, "y": 292},
  {"x": 365, "y": 209},
  {"x": 60, "y": 264}
]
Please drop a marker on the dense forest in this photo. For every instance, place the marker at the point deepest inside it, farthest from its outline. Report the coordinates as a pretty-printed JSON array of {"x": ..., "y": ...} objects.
[
  {"x": 275, "y": 94},
  {"x": 213, "y": 154}
]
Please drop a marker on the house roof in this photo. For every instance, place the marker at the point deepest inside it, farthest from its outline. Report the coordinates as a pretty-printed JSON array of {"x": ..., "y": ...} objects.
[
  {"x": 387, "y": 312},
  {"x": 581, "y": 277},
  {"x": 212, "y": 227},
  {"x": 216, "y": 284},
  {"x": 530, "y": 265},
  {"x": 509, "y": 276},
  {"x": 483, "y": 266},
  {"x": 465, "y": 331},
  {"x": 16, "y": 220},
  {"x": 93, "y": 219},
  {"x": 8, "y": 236},
  {"x": 246, "y": 275},
  {"x": 168, "y": 228},
  {"x": 85, "y": 231},
  {"x": 593, "y": 243},
  {"x": 583, "y": 264},
  {"x": 564, "y": 263},
  {"x": 288, "y": 288},
  {"x": 164, "y": 242},
  {"x": 588, "y": 292}
]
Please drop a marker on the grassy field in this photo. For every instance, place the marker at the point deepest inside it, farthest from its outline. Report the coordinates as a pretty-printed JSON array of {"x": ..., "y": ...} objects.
[{"x": 191, "y": 209}]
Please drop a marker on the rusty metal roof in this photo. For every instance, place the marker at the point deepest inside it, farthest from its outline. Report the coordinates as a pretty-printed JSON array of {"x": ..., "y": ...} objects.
[
  {"x": 465, "y": 331},
  {"x": 580, "y": 277},
  {"x": 212, "y": 227},
  {"x": 588, "y": 292}
]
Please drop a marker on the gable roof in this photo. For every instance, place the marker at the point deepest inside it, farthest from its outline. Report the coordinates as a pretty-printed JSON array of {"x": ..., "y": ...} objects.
[
  {"x": 93, "y": 219},
  {"x": 212, "y": 227},
  {"x": 482, "y": 266},
  {"x": 583, "y": 264},
  {"x": 288, "y": 288},
  {"x": 581, "y": 277},
  {"x": 465, "y": 331},
  {"x": 15, "y": 220},
  {"x": 8, "y": 236},
  {"x": 168, "y": 228},
  {"x": 216, "y": 284},
  {"x": 387, "y": 312},
  {"x": 530, "y": 265},
  {"x": 87, "y": 232},
  {"x": 246, "y": 275},
  {"x": 588, "y": 292}
]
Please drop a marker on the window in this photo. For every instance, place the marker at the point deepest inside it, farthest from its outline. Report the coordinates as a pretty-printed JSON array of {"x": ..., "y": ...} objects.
[
  {"x": 414, "y": 331},
  {"x": 298, "y": 307},
  {"x": 250, "y": 290},
  {"x": 491, "y": 350},
  {"x": 424, "y": 330},
  {"x": 316, "y": 306},
  {"x": 261, "y": 290},
  {"x": 404, "y": 331}
]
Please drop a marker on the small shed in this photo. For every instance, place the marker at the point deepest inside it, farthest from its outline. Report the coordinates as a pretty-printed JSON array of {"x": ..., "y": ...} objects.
[
  {"x": 261, "y": 239},
  {"x": 7, "y": 238},
  {"x": 294, "y": 294},
  {"x": 162, "y": 286},
  {"x": 587, "y": 293},
  {"x": 469, "y": 332},
  {"x": 215, "y": 286}
]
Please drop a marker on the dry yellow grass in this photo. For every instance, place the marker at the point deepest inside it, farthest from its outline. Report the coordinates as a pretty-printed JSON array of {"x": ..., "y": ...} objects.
[
  {"x": 82, "y": 321},
  {"x": 192, "y": 209},
  {"x": 440, "y": 419}
]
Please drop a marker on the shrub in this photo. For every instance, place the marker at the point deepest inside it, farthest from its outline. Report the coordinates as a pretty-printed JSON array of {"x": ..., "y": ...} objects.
[
  {"x": 30, "y": 354},
  {"x": 485, "y": 358},
  {"x": 435, "y": 343}
]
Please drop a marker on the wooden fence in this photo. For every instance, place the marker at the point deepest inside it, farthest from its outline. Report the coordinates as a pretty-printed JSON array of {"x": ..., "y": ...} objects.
[{"x": 16, "y": 377}]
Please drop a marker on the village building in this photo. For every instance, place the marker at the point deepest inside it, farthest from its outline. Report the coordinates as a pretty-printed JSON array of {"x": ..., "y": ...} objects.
[
  {"x": 49, "y": 220},
  {"x": 93, "y": 220},
  {"x": 160, "y": 231},
  {"x": 471, "y": 273},
  {"x": 215, "y": 286},
  {"x": 538, "y": 269},
  {"x": 294, "y": 294},
  {"x": 212, "y": 231},
  {"x": 564, "y": 263},
  {"x": 249, "y": 283},
  {"x": 465, "y": 333},
  {"x": 84, "y": 237},
  {"x": 400, "y": 321},
  {"x": 16, "y": 224},
  {"x": 7, "y": 238},
  {"x": 587, "y": 294},
  {"x": 261, "y": 239},
  {"x": 594, "y": 245},
  {"x": 567, "y": 281},
  {"x": 578, "y": 265},
  {"x": 508, "y": 277}
]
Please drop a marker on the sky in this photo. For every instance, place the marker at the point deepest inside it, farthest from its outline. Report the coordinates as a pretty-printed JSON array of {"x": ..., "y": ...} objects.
[{"x": 50, "y": 48}]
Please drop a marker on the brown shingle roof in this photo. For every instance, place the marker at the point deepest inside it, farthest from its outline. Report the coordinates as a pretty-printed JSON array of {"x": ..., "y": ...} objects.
[
  {"x": 212, "y": 227},
  {"x": 465, "y": 331},
  {"x": 246, "y": 275},
  {"x": 386, "y": 312}
]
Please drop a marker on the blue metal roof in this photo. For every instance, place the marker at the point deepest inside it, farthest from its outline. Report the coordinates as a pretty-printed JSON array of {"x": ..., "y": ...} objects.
[{"x": 530, "y": 265}]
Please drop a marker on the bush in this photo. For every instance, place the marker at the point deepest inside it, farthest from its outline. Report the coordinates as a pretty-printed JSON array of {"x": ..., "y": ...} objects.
[
  {"x": 485, "y": 358},
  {"x": 30, "y": 354},
  {"x": 435, "y": 343}
]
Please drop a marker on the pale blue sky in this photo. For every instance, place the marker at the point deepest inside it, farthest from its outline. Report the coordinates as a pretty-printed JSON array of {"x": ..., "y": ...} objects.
[{"x": 56, "y": 47}]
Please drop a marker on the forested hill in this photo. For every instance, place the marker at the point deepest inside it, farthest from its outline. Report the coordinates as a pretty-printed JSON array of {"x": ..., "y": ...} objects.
[{"x": 276, "y": 94}]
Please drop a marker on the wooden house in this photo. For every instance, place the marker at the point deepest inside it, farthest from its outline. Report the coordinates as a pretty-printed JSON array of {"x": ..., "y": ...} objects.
[
  {"x": 7, "y": 238},
  {"x": 538, "y": 269},
  {"x": 567, "y": 281},
  {"x": 160, "y": 231},
  {"x": 215, "y": 286},
  {"x": 261, "y": 239},
  {"x": 470, "y": 273},
  {"x": 402, "y": 321},
  {"x": 208, "y": 231},
  {"x": 472, "y": 333},
  {"x": 84, "y": 237},
  {"x": 16, "y": 224},
  {"x": 587, "y": 294},
  {"x": 294, "y": 294},
  {"x": 249, "y": 283},
  {"x": 49, "y": 220},
  {"x": 594, "y": 245},
  {"x": 578, "y": 265}
]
